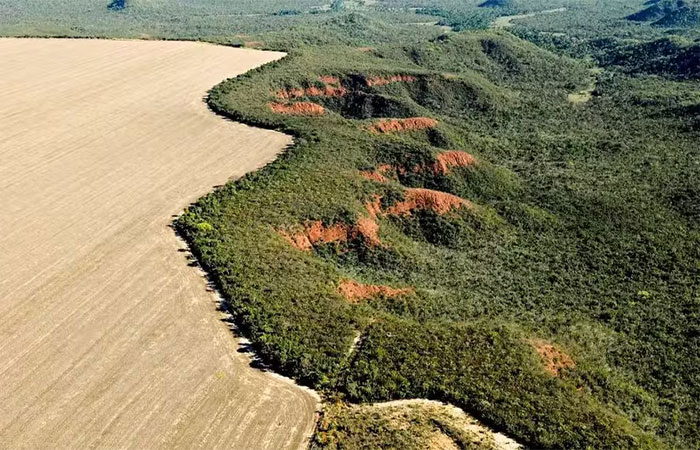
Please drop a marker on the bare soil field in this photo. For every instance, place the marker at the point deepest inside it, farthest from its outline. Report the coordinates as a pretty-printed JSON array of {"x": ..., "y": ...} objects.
[{"x": 108, "y": 339}]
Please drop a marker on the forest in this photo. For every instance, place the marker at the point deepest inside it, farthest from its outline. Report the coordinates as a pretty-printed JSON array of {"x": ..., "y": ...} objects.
[{"x": 544, "y": 278}]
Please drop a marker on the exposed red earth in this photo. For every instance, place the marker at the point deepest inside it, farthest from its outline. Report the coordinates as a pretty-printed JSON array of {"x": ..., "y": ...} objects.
[
  {"x": 354, "y": 291},
  {"x": 553, "y": 359},
  {"x": 298, "y": 109},
  {"x": 398, "y": 125},
  {"x": 427, "y": 199}
]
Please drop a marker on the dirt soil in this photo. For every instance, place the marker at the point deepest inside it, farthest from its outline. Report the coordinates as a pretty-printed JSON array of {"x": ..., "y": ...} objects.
[
  {"x": 398, "y": 125},
  {"x": 486, "y": 438},
  {"x": 554, "y": 360},
  {"x": 427, "y": 199},
  {"x": 298, "y": 109},
  {"x": 354, "y": 291},
  {"x": 108, "y": 338}
]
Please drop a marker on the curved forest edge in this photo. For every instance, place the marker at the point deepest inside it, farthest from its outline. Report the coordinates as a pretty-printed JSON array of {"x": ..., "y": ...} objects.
[{"x": 522, "y": 302}]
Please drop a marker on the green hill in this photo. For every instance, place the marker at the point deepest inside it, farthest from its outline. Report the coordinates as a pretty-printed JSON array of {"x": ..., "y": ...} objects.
[
  {"x": 670, "y": 13},
  {"x": 675, "y": 58},
  {"x": 497, "y": 4},
  {"x": 491, "y": 244}
]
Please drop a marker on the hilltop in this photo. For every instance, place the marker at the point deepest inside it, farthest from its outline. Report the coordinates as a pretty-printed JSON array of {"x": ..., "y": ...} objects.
[{"x": 670, "y": 13}]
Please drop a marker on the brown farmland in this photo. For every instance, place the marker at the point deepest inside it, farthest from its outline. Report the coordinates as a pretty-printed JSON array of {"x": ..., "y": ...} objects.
[{"x": 107, "y": 337}]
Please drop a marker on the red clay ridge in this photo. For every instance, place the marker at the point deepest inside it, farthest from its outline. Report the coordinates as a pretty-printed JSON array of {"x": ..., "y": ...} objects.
[
  {"x": 554, "y": 360},
  {"x": 383, "y": 81},
  {"x": 368, "y": 228},
  {"x": 374, "y": 207},
  {"x": 316, "y": 233},
  {"x": 427, "y": 199},
  {"x": 445, "y": 161},
  {"x": 397, "y": 125},
  {"x": 373, "y": 176},
  {"x": 330, "y": 79},
  {"x": 298, "y": 108},
  {"x": 354, "y": 291},
  {"x": 313, "y": 91}
]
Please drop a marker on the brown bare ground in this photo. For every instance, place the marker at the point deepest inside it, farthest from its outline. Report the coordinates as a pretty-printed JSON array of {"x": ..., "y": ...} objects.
[
  {"x": 330, "y": 79},
  {"x": 553, "y": 359},
  {"x": 298, "y": 109},
  {"x": 368, "y": 228},
  {"x": 108, "y": 339},
  {"x": 445, "y": 161},
  {"x": 316, "y": 233},
  {"x": 427, "y": 199},
  {"x": 354, "y": 291},
  {"x": 373, "y": 176},
  {"x": 398, "y": 125},
  {"x": 326, "y": 91},
  {"x": 374, "y": 207},
  {"x": 383, "y": 81},
  {"x": 483, "y": 437}
]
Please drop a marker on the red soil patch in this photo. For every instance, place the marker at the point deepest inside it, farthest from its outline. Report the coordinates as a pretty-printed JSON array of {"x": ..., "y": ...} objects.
[
  {"x": 554, "y": 360},
  {"x": 373, "y": 176},
  {"x": 290, "y": 93},
  {"x": 354, "y": 291},
  {"x": 298, "y": 109},
  {"x": 447, "y": 160},
  {"x": 422, "y": 199},
  {"x": 330, "y": 79},
  {"x": 299, "y": 241},
  {"x": 369, "y": 230},
  {"x": 253, "y": 44},
  {"x": 316, "y": 233},
  {"x": 326, "y": 91},
  {"x": 335, "y": 233},
  {"x": 374, "y": 207},
  {"x": 397, "y": 125},
  {"x": 383, "y": 81}
]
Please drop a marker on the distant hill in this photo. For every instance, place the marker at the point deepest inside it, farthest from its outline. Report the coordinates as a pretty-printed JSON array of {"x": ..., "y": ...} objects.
[
  {"x": 669, "y": 13},
  {"x": 673, "y": 58},
  {"x": 497, "y": 4}
]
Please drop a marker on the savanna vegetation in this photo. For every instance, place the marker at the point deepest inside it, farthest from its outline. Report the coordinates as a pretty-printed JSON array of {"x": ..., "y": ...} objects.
[{"x": 449, "y": 225}]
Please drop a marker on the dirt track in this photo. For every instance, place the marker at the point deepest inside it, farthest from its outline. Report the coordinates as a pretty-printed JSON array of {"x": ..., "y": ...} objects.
[{"x": 107, "y": 337}]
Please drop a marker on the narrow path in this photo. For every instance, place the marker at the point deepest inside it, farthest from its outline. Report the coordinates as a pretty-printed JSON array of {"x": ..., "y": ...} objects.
[{"x": 107, "y": 337}]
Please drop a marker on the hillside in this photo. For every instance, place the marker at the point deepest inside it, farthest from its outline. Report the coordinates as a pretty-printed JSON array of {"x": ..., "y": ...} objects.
[
  {"x": 674, "y": 58},
  {"x": 491, "y": 245},
  {"x": 670, "y": 13},
  {"x": 497, "y": 4}
]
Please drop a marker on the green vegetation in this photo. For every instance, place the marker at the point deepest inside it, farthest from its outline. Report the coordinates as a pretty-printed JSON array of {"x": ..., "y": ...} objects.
[
  {"x": 575, "y": 218},
  {"x": 582, "y": 227},
  {"x": 670, "y": 13}
]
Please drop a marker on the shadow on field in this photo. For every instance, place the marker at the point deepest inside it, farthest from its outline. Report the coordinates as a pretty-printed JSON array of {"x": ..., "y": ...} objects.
[{"x": 244, "y": 345}]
